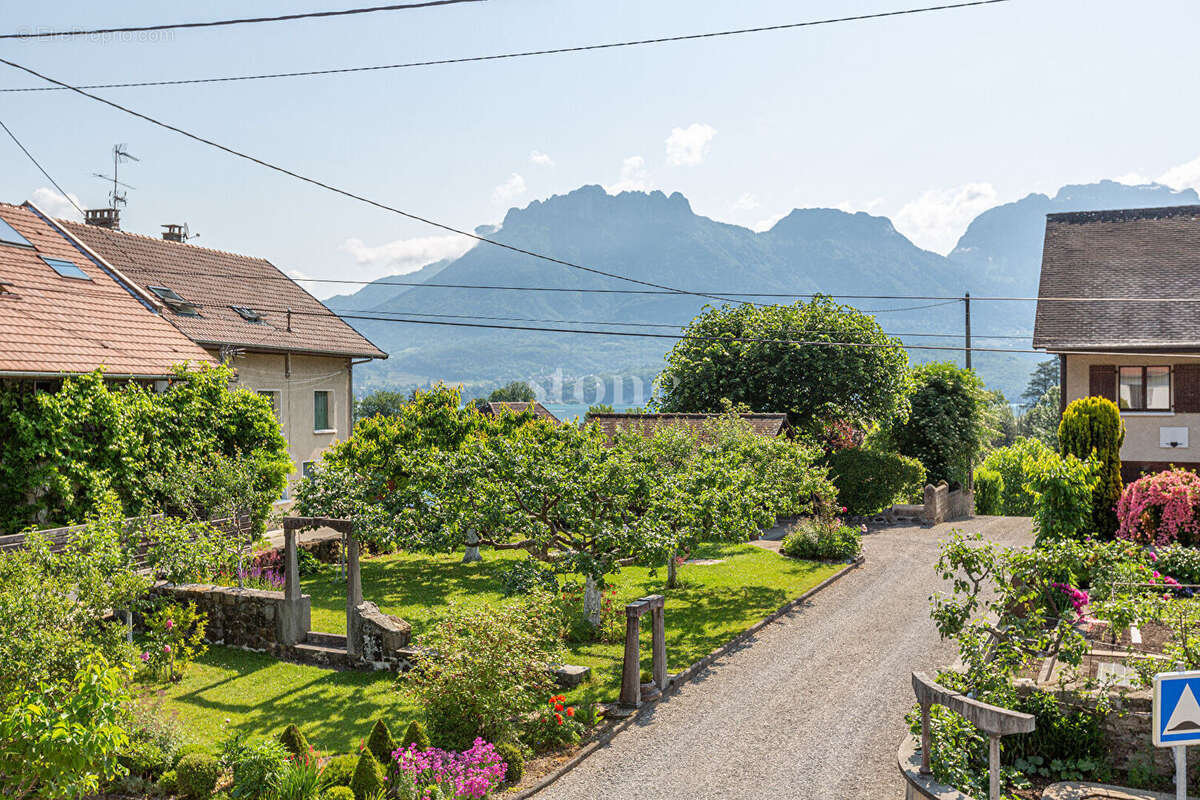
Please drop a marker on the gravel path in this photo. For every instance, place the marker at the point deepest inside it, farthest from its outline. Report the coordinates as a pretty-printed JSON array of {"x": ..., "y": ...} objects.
[{"x": 812, "y": 707}]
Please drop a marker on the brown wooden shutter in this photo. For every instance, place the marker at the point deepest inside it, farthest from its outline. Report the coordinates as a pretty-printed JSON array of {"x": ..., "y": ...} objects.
[
  {"x": 1187, "y": 388},
  {"x": 1102, "y": 381}
]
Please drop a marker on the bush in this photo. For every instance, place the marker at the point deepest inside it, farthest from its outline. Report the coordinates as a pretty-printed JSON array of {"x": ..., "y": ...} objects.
[
  {"x": 1161, "y": 509},
  {"x": 527, "y": 576},
  {"x": 515, "y": 762},
  {"x": 989, "y": 492},
  {"x": 415, "y": 734},
  {"x": 1091, "y": 427},
  {"x": 1064, "y": 490},
  {"x": 1007, "y": 470},
  {"x": 553, "y": 727},
  {"x": 870, "y": 480},
  {"x": 819, "y": 540},
  {"x": 257, "y": 768},
  {"x": 339, "y": 770},
  {"x": 167, "y": 783},
  {"x": 1180, "y": 562},
  {"x": 175, "y": 637},
  {"x": 948, "y": 424},
  {"x": 154, "y": 740},
  {"x": 380, "y": 742},
  {"x": 300, "y": 779},
  {"x": 368, "y": 777},
  {"x": 338, "y": 793},
  {"x": 293, "y": 741},
  {"x": 196, "y": 776}
]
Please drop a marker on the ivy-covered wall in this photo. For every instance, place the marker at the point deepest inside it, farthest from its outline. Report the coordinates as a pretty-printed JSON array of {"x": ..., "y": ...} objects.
[{"x": 198, "y": 449}]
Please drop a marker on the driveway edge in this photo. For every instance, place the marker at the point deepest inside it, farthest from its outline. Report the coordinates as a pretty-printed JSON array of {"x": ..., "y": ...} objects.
[{"x": 679, "y": 679}]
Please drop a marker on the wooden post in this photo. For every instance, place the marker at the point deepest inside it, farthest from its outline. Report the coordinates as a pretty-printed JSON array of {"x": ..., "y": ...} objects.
[
  {"x": 631, "y": 671},
  {"x": 926, "y": 740},
  {"x": 353, "y": 597},
  {"x": 658, "y": 631}
]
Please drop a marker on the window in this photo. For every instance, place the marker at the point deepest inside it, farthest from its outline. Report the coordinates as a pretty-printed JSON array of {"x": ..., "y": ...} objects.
[
  {"x": 273, "y": 397},
  {"x": 66, "y": 269},
  {"x": 249, "y": 314},
  {"x": 9, "y": 235},
  {"x": 306, "y": 468},
  {"x": 174, "y": 301},
  {"x": 1144, "y": 388},
  {"x": 321, "y": 411}
]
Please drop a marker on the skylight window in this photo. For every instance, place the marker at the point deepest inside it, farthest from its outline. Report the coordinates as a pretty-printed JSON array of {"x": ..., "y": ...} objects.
[
  {"x": 66, "y": 269},
  {"x": 9, "y": 235},
  {"x": 174, "y": 301},
  {"x": 248, "y": 314}
]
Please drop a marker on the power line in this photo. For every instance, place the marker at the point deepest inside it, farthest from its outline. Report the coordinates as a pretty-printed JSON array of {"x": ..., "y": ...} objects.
[
  {"x": 29, "y": 155},
  {"x": 225, "y": 22},
  {"x": 361, "y": 198},
  {"x": 520, "y": 54}
]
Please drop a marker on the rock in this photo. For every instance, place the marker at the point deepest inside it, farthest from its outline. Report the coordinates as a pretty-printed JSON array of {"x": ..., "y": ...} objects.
[{"x": 569, "y": 676}]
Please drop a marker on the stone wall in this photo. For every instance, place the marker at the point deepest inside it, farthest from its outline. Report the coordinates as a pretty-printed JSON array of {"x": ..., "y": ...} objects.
[
  {"x": 942, "y": 504},
  {"x": 246, "y": 618},
  {"x": 384, "y": 639}
]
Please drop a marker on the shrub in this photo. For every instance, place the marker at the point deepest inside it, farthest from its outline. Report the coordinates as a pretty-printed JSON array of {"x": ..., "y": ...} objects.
[
  {"x": 869, "y": 480},
  {"x": 167, "y": 783},
  {"x": 294, "y": 742},
  {"x": 415, "y": 734},
  {"x": 175, "y": 637},
  {"x": 819, "y": 540},
  {"x": 473, "y": 773},
  {"x": 339, "y": 770},
  {"x": 1180, "y": 562},
  {"x": 1064, "y": 490},
  {"x": 196, "y": 776},
  {"x": 514, "y": 762},
  {"x": 948, "y": 424},
  {"x": 989, "y": 492},
  {"x": 1161, "y": 509},
  {"x": 154, "y": 739},
  {"x": 257, "y": 768},
  {"x": 380, "y": 742},
  {"x": 338, "y": 793},
  {"x": 368, "y": 777},
  {"x": 300, "y": 779},
  {"x": 1091, "y": 427},
  {"x": 492, "y": 666},
  {"x": 553, "y": 727},
  {"x": 1012, "y": 466},
  {"x": 527, "y": 576}
]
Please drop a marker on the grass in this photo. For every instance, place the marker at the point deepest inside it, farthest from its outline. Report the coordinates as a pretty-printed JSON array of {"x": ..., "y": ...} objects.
[{"x": 259, "y": 695}]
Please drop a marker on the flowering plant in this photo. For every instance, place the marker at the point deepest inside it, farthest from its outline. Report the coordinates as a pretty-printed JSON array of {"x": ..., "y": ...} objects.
[
  {"x": 175, "y": 637},
  {"x": 265, "y": 571},
  {"x": 434, "y": 774},
  {"x": 1160, "y": 509},
  {"x": 554, "y": 726},
  {"x": 612, "y": 623}
]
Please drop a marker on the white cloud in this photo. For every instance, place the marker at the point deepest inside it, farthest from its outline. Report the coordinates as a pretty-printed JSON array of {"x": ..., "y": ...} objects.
[
  {"x": 688, "y": 146},
  {"x": 747, "y": 202},
  {"x": 503, "y": 194},
  {"x": 768, "y": 223},
  {"x": 937, "y": 218},
  {"x": 851, "y": 207},
  {"x": 406, "y": 255},
  {"x": 541, "y": 159},
  {"x": 634, "y": 177},
  {"x": 1133, "y": 179},
  {"x": 56, "y": 205},
  {"x": 1183, "y": 176}
]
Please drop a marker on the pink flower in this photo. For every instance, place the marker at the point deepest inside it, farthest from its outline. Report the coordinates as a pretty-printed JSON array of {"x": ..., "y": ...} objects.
[
  {"x": 170, "y": 624},
  {"x": 145, "y": 657},
  {"x": 166, "y": 648}
]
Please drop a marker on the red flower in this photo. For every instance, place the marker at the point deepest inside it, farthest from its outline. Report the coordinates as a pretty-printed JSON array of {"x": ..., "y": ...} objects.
[
  {"x": 559, "y": 718},
  {"x": 570, "y": 712},
  {"x": 558, "y": 706}
]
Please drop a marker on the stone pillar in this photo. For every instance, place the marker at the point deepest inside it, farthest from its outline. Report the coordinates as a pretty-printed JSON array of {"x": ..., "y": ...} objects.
[
  {"x": 631, "y": 672},
  {"x": 293, "y": 612},
  {"x": 354, "y": 599},
  {"x": 658, "y": 630}
]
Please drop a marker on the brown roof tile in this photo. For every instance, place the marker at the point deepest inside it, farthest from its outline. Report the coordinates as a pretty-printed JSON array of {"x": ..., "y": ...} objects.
[
  {"x": 51, "y": 325},
  {"x": 215, "y": 281},
  {"x": 646, "y": 424},
  {"x": 1148, "y": 252},
  {"x": 539, "y": 410}
]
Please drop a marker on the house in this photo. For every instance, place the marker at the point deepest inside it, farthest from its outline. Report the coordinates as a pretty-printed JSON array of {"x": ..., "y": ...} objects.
[
  {"x": 65, "y": 312},
  {"x": 496, "y": 409},
  {"x": 245, "y": 312},
  {"x": 771, "y": 425},
  {"x": 1120, "y": 340}
]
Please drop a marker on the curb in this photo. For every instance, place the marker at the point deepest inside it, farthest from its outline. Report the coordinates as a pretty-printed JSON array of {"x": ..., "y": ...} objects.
[{"x": 678, "y": 680}]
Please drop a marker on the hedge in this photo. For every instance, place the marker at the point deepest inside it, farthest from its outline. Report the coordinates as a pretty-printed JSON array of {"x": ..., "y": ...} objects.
[{"x": 870, "y": 480}]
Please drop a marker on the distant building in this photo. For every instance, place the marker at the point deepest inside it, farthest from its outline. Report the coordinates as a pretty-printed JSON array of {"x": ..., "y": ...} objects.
[
  {"x": 1119, "y": 340},
  {"x": 771, "y": 425},
  {"x": 496, "y": 409},
  {"x": 65, "y": 312},
  {"x": 245, "y": 312}
]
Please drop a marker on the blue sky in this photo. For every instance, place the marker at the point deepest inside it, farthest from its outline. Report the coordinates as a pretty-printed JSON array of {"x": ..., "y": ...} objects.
[{"x": 927, "y": 119}]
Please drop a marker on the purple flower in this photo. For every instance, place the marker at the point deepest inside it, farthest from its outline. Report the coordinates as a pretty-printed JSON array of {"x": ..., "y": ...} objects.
[{"x": 145, "y": 657}]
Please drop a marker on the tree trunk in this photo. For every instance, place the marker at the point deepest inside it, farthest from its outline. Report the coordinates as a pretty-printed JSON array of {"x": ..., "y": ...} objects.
[
  {"x": 672, "y": 577},
  {"x": 591, "y": 600},
  {"x": 472, "y": 554}
]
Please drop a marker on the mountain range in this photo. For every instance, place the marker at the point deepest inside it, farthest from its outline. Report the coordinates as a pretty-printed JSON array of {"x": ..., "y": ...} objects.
[{"x": 657, "y": 237}]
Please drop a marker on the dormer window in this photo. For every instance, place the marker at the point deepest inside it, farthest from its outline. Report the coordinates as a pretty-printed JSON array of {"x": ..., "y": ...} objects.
[
  {"x": 174, "y": 302},
  {"x": 249, "y": 314}
]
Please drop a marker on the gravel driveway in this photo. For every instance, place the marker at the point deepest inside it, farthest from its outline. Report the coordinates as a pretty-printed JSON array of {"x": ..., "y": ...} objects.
[{"x": 812, "y": 707}]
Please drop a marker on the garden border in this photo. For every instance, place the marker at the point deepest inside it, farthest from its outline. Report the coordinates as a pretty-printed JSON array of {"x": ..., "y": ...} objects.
[{"x": 677, "y": 681}]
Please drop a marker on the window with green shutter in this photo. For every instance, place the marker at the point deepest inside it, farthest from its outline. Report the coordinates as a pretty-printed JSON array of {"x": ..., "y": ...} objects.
[{"x": 321, "y": 411}]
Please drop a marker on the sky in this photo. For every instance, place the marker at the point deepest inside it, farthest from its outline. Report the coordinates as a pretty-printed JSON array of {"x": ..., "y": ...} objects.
[{"x": 928, "y": 119}]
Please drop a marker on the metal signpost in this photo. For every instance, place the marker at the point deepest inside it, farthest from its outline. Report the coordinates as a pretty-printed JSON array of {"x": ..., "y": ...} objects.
[{"x": 1176, "y": 719}]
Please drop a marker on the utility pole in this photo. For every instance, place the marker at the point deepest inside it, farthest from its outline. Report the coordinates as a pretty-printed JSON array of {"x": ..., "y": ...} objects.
[{"x": 967, "y": 329}]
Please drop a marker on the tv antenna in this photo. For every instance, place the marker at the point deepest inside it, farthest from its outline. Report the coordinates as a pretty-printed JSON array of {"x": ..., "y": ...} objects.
[{"x": 120, "y": 155}]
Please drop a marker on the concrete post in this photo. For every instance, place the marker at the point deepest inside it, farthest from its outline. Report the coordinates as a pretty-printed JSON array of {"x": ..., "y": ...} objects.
[
  {"x": 291, "y": 567},
  {"x": 994, "y": 766},
  {"x": 658, "y": 630},
  {"x": 631, "y": 672},
  {"x": 353, "y": 598},
  {"x": 294, "y": 615},
  {"x": 926, "y": 740}
]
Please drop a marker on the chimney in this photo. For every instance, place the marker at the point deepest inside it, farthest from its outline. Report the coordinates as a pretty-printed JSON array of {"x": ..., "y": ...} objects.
[
  {"x": 175, "y": 233},
  {"x": 103, "y": 218}
]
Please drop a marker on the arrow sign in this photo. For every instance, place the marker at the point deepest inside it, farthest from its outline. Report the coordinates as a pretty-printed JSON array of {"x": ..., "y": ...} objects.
[{"x": 1176, "y": 709}]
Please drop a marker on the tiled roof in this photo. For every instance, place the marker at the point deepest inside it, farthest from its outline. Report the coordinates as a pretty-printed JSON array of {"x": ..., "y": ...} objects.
[
  {"x": 539, "y": 410},
  {"x": 215, "y": 282},
  {"x": 1147, "y": 253},
  {"x": 646, "y": 424},
  {"x": 50, "y": 324}
]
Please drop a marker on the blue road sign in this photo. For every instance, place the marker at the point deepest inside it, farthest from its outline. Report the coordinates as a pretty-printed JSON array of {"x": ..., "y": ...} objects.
[{"x": 1177, "y": 709}]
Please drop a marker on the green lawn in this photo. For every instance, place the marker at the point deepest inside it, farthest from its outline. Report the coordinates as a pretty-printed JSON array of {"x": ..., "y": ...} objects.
[{"x": 260, "y": 695}]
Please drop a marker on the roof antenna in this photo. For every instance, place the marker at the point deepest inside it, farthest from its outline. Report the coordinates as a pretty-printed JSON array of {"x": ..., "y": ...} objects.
[{"x": 109, "y": 217}]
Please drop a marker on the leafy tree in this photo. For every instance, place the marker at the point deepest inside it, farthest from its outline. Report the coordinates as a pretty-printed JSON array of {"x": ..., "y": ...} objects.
[
  {"x": 1044, "y": 378},
  {"x": 1041, "y": 421},
  {"x": 380, "y": 402},
  {"x": 766, "y": 372},
  {"x": 600, "y": 408},
  {"x": 515, "y": 392},
  {"x": 948, "y": 426},
  {"x": 1001, "y": 420},
  {"x": 1092, "y": 428}
]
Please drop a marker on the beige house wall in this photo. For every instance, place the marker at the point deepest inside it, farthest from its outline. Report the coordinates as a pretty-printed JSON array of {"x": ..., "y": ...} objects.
[
  {"x": 1141, "y": 427},
  {"x": 295, "y": 379}
]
